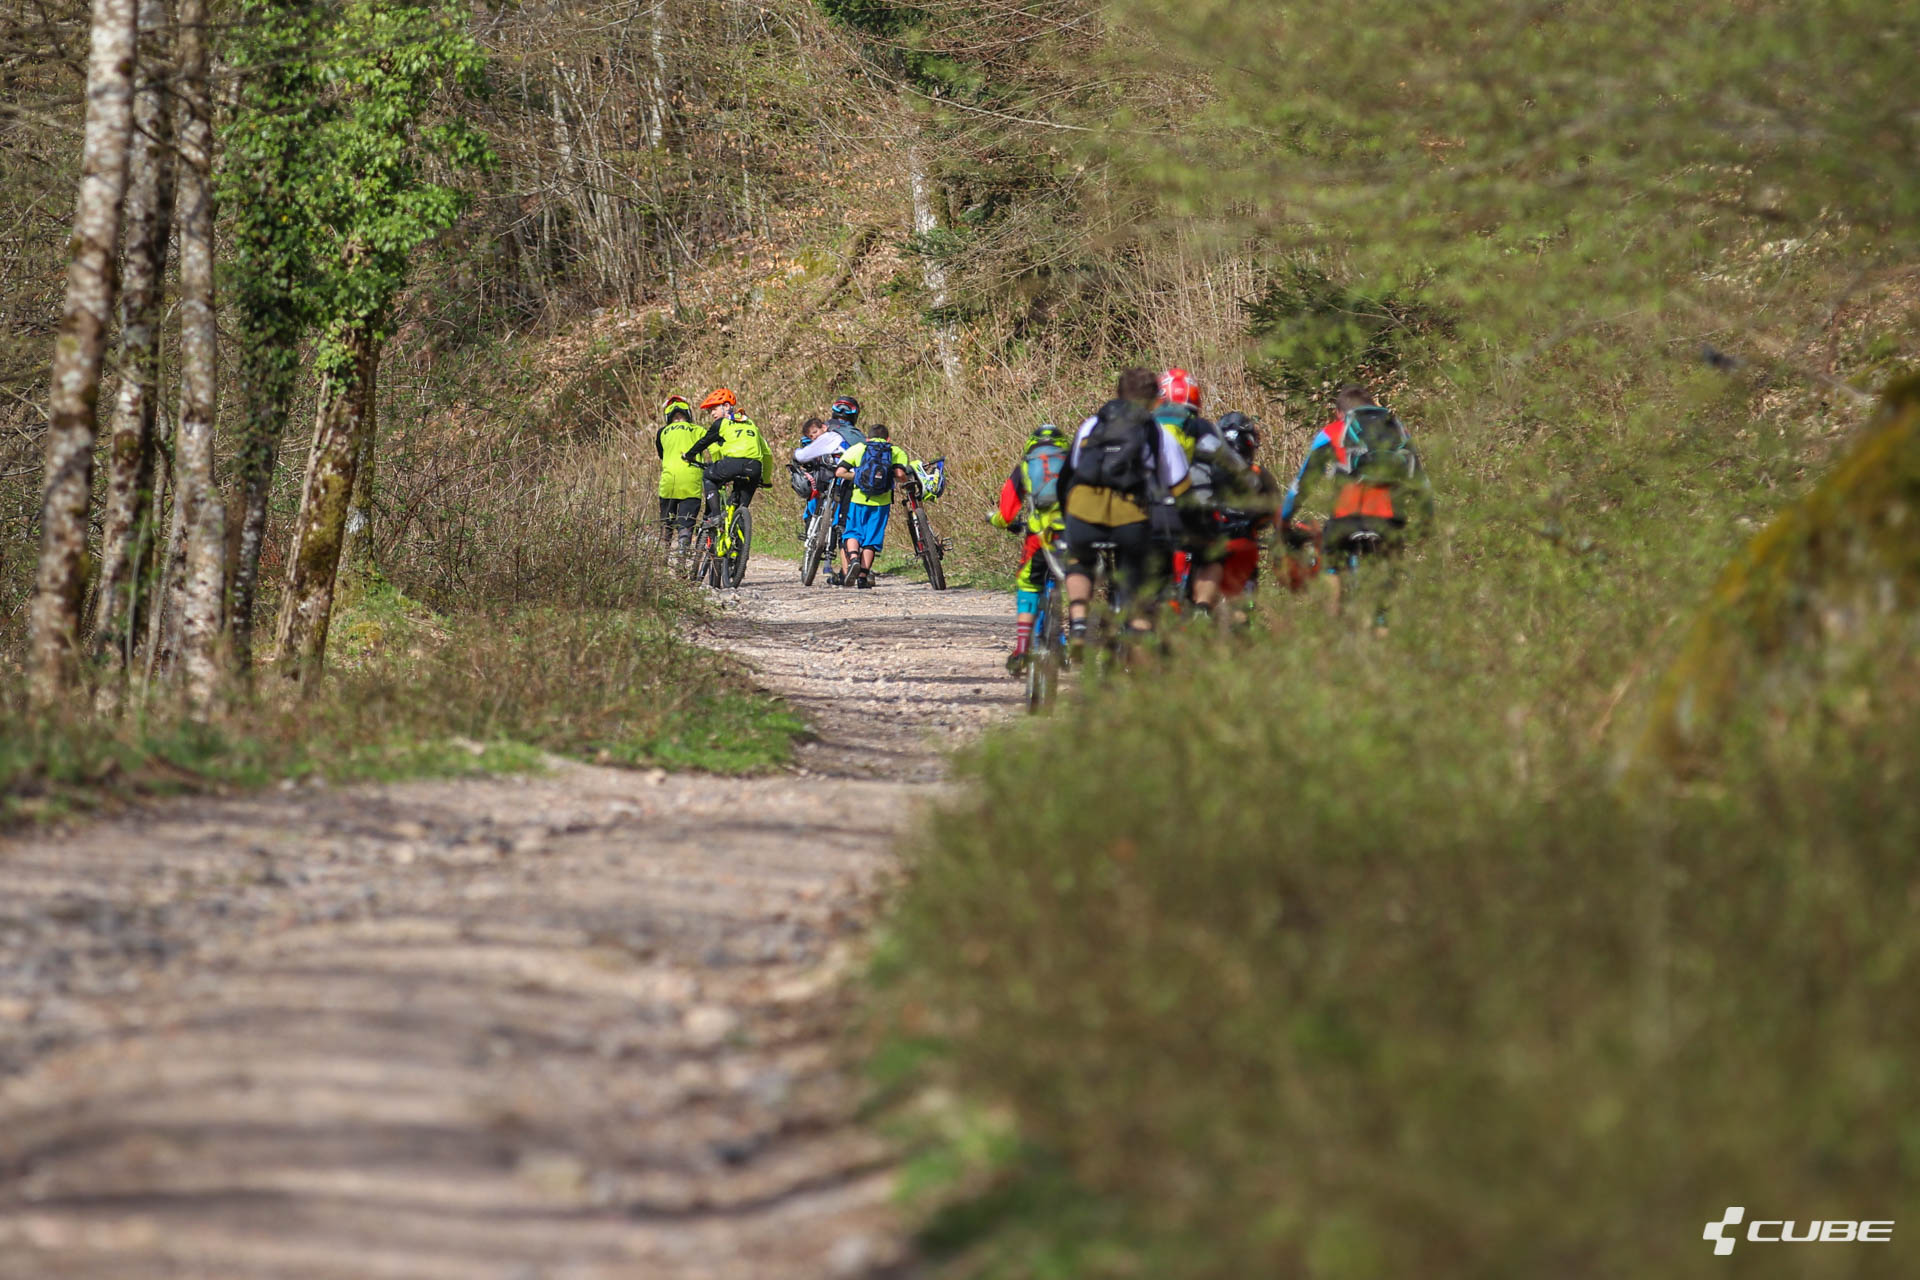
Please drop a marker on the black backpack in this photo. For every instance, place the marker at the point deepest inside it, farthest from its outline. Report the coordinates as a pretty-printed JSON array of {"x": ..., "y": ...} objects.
[{"x": 1121, "y": 450}]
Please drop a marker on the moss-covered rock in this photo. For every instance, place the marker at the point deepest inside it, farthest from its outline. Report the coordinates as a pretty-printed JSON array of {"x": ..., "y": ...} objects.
[{"x": 1818, "y": 619}]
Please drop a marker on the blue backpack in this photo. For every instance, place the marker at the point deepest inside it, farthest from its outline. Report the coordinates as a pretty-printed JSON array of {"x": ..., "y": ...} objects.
[
  {"x": 875, "y": 473},
  {"x": 1044, "y": 463}
]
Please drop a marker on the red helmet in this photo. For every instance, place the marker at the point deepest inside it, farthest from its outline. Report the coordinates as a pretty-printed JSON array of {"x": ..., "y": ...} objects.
[
  {"x": 1177, "y": 386},
  {"x": 718, "y": 397}
]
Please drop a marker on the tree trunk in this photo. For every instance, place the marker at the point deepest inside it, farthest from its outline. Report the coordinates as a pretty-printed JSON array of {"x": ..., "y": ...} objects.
[
  {"x": 307, "y": 606},
  {"x": 656, "y": 113},
  {"x": 73, "y": 402},
  {"x": 202, "y": 516},
  {"x": 357, "y": 548},
  {"x": 932, "y": 272},
  {"x": 268, "y": 397},
  {"x": 169, "y": 576},
  {"x": 149, "y": 210}
]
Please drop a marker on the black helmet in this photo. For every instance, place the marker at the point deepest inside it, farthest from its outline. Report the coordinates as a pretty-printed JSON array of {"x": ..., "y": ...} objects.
[
  {"x": 847, "y": 409},
  {"x": 1239, "y": 431}
]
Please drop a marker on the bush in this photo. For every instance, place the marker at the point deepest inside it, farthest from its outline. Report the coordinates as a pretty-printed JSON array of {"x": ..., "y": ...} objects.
[
  {"x": 1315, "y": 332},
  {"x": 1346, "y": 959}
]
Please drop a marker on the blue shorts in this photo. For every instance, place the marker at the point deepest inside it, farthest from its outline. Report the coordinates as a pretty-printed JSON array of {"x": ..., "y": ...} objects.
[{"x": 867, "y": 525}]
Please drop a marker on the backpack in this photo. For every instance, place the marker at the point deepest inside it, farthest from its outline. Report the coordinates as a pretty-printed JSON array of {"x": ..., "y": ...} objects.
[
  {"x": 1043, "y": 464},
  {"x": 1376, "y": 452},
  {"x": 1186, "y": 425},
  {"x": 1120, "y": 449},
  {"x": 847, "y": 432},
  {"x": 875, "y": 473}
]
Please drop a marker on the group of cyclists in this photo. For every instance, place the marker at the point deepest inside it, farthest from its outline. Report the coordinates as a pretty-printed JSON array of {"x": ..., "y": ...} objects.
[
  {"x": 861, "y": 471},
  {"x": 707, "y": 470},
  {"x": 698, "y": 464},
  {"x": 1174, "y": 510},
  {"x": 1162, "y": 506}
]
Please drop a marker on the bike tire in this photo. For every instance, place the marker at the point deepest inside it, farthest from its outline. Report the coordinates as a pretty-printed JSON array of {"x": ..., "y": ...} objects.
[
  {"x": 1050, "y": 656},
  {"x": 1037, "y": 654},
  {"x": 929, "y": 548},
  {"x": 742, "y": 547},
  {"x": 701, "y": 565},
  {"x": 836, "y": 543},
  {"x": 816, "y": 549}
]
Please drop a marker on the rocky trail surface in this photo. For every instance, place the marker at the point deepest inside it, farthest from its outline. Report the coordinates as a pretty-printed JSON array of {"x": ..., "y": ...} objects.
[{"x": 586, "y": 1024}]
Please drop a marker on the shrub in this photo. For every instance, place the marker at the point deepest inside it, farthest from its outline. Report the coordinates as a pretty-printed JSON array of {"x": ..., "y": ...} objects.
[{"x": 1346, "y": 958}]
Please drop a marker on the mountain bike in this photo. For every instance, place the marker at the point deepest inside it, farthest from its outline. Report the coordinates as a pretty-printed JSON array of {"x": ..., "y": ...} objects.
[
  {"x": 1047, "y": 653},
  {"x": 727, "y": 540},
  {"x": 825, "y": 529},
  {"x": 918, "y": 488}
]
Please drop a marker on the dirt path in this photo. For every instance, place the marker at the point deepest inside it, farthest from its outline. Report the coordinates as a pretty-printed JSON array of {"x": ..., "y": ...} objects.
[{"x": 581, "y": 1025}]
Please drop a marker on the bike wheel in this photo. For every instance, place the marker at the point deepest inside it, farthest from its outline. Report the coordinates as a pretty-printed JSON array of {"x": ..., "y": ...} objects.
[
  {"x": 742, "y": 547},
  {"x": 1051, "y": 655},
  {"x": 816, "y": 549},
  {"x": 929, "y": 548},
  {"x": 1043, "y": 660},
  {"x": 700, "y": 564}
]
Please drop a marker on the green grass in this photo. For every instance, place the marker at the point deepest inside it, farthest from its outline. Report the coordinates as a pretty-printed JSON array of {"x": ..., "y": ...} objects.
[
  {"x": 1345, "y": 956},
  {"x": 415, "y": 694},
  {"x": 1266, "y": 974}
]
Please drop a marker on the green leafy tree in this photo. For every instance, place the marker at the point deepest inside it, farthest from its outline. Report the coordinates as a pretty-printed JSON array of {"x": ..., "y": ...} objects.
[
  {"x": 365, "y": 199},
  {"x": 280, "y": 90}
]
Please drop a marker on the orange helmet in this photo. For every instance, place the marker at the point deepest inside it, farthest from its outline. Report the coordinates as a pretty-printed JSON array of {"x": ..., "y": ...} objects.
[
  {"x": 1177, "y": 386},
  {"x": 717, "y": 397}
]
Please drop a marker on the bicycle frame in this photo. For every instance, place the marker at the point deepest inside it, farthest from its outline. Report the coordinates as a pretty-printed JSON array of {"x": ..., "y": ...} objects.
[
  {"x": 926, "y": 544},
  {"x": 728, "y": 535}
]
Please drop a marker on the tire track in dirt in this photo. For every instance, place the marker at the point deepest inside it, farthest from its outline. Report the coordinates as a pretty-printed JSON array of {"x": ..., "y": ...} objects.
[{"x": 575, "y": 1026}]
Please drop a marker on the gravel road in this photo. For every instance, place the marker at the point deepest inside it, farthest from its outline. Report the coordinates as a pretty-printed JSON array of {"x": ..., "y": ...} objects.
[{"x": 587, "y": 1024}]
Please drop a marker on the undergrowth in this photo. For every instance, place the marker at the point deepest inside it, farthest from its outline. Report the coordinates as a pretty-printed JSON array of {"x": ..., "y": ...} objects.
[
  {"x": 417, "y": 693},
  {"x": 1321, "y": 953},
  {"x": 1345, "y": 957}
]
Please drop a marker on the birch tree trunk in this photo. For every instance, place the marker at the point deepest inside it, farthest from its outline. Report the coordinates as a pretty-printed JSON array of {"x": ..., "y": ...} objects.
[
  {"x": 656, "y": 116},
  {"x": 73, "y": 402},
  {"x": 932, "y": 272},
  {"x": 202, "y": 516},
  {"x": 307, "y": 606},
  {"x": 149, "y": 211}
]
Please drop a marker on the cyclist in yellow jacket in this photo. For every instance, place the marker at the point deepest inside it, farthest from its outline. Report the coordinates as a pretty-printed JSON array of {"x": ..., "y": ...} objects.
[
  {"x": 744, "y": 458},
  {"x": 680, "y": 484}
]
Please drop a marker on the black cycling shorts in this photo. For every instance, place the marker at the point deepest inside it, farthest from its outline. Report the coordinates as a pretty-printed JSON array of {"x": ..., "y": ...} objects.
[
  {"x": 1140, "y": 565},
  {"x": 679, "y": 513},
  {"x": 744, "y": 474}
]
